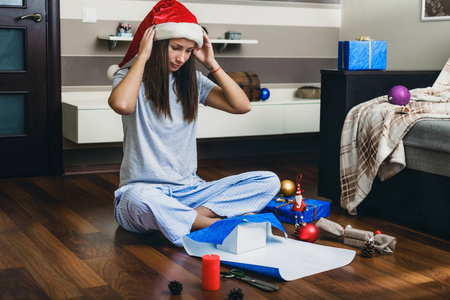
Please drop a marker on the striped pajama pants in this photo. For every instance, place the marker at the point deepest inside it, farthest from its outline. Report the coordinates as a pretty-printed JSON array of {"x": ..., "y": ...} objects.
[{"x": 144, "y": 207}]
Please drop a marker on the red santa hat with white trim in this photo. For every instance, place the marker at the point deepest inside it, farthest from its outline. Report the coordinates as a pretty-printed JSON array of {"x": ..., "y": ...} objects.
[{"x": 172, "y": 20}]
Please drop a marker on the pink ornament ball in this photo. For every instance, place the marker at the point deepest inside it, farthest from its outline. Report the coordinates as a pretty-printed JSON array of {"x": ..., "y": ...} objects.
[
  {"x": 308, "y": 233},
  {"x": 399, "y": 95}
]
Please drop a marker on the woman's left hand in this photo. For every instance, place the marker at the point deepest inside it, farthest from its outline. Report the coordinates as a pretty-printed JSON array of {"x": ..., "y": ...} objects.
[{"x": 205, "y": 54}]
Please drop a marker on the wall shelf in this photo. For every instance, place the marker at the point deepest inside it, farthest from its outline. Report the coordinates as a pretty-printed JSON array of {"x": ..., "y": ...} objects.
[
  {"x": 113, "y": 39},
  {"x": 224, "y": 43}
]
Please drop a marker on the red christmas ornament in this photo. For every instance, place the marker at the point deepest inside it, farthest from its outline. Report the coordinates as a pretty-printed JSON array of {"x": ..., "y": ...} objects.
[
  {"x": 308, "y": 232},
  {"x": 377, "y": 232}
]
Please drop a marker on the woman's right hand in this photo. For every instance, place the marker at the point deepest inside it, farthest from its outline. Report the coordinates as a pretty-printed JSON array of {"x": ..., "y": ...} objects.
[
  {"x": 124, "y": 96},
  {"x": 146, "y": 45}
]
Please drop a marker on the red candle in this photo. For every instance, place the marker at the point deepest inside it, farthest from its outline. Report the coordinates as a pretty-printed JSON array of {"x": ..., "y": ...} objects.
[{"x": 211, "y": 272}]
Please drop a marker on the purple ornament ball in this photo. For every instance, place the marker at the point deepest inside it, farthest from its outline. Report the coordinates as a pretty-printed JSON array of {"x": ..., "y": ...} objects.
[
  {"x": 399, "y": 95},
  {"x": 265, "y": 94}
]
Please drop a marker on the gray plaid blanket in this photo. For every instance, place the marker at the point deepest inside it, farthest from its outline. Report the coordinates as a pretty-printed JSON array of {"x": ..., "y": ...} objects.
[{"x": 372, "y": 137}]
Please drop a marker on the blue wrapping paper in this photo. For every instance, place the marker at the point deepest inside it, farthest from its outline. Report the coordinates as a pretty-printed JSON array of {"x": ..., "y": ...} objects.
[
  {"x": 316, "y": 209},
  {"x": 362, "y": 55},
  {"x": 217, "y": 232},
  {"x": 309, "y": 258}
]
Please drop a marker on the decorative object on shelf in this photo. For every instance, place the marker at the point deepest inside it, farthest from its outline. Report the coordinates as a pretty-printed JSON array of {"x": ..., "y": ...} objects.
[
  {"x": 248, "y": 81},
  {"x": 362, "y": 54},
  {"x": 399, "y": 95},
  {"x": 124, "y": 29},
  {"x": 265, "y": 94},
  {"x": 368, "y": 249},
  {"x": 287, "y": 188},
  {"x": 210, "y": 272},
  {"x": 308, "y": 92},
  {"x": 233, "y": 35},
  {"x": 236, "y": 294},
  {"x": 175, "y": 287}
]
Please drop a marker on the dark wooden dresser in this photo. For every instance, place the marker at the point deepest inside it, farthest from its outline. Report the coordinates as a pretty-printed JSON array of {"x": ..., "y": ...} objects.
[{"x": 342, "y": 90}]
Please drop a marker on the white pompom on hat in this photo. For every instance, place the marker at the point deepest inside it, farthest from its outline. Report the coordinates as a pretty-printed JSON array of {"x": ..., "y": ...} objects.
[{"x": 111, "y": 71}]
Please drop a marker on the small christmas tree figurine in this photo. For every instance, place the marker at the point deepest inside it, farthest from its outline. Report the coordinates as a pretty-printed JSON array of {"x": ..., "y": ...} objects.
[
  {"x": 368, "y": 250},
  {"x": 175, "y": 287},
  {"x": 236, "y": 294}
]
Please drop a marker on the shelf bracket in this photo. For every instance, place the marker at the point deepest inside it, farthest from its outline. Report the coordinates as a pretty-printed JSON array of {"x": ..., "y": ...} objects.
[
  {"x": 112, "y": 45},
  {"x": 222, "y": 47}
]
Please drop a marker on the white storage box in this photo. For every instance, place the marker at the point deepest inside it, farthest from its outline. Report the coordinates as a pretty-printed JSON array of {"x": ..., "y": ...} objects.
[{"x": 245, "y": 237}]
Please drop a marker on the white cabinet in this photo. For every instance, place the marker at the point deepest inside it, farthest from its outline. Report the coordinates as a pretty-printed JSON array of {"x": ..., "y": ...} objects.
[
  {"x": 87, "y": 118},
  {"x": 261, "y": 120},
  {"x": 301, "y": 117}
]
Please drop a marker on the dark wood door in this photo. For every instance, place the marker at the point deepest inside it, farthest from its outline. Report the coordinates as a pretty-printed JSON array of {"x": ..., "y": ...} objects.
[{"x": 24, "y": 89}]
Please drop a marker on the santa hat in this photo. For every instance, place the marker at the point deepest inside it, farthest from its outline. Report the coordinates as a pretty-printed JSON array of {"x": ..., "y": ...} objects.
[{"x": 172, "y": 20}]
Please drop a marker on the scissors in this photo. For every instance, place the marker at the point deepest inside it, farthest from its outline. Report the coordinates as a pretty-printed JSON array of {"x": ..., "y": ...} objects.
[{"x": 240, "y": 274}]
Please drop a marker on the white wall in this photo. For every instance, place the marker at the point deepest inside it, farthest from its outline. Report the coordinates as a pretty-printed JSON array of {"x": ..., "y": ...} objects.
[{"x": 412, "y": 43}]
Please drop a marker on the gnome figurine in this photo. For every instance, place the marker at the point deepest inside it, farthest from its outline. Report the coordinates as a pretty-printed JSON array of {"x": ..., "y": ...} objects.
[{"x": 299, "y": 205}]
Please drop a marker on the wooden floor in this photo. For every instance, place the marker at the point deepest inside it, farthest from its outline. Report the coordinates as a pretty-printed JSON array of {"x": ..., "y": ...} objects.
[{"x": 59, "y": 239}]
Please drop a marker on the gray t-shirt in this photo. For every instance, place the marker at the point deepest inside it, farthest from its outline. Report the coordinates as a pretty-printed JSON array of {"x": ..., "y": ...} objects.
[{"x": 158, "y": 150}]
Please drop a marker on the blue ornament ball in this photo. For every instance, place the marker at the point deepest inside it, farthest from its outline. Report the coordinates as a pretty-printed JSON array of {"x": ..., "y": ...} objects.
[
  {"x": 399, "y": 95},
  {"x": 265, "y": 94}
]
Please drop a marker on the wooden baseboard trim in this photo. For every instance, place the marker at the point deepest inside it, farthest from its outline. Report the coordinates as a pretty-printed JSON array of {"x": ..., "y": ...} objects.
[{"x": 68, "y": 171}]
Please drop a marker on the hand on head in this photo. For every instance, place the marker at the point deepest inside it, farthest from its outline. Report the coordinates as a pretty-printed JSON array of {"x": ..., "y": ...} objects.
[
  {"x": 205, "y": 54},
  {"x": 146, "y": 44}
]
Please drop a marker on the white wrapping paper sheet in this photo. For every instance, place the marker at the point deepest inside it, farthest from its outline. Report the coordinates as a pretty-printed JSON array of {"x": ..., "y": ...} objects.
[{"x": 284, "y": 258}]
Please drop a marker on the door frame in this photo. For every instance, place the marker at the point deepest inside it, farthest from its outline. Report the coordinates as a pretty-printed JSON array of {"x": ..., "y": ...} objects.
[
  {"x": 53, "y": 155},
  {"x": 54, "y": 105}
]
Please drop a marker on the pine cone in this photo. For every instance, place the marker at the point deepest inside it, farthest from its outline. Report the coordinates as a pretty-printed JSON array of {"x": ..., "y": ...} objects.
[
  {"x": 175, "y": 287},
  {"x": 368, "y": 250},
  {"x": 236, "y": 294}
]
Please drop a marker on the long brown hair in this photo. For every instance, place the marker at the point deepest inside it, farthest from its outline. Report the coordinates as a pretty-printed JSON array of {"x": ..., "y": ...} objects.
[{"x": 156, "y": 82}]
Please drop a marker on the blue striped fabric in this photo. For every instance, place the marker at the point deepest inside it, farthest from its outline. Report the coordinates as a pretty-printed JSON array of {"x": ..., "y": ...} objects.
[{"x": 144, "y": 207}]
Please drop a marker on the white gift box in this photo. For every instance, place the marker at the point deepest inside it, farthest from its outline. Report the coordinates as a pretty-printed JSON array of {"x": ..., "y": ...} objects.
[{"x": 245, "y": 237}]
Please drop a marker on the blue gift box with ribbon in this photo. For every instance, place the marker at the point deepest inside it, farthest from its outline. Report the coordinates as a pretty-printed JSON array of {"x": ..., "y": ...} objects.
[
  {"x": 283, "y": 211},
  {"x": 362, "y": 55}
]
